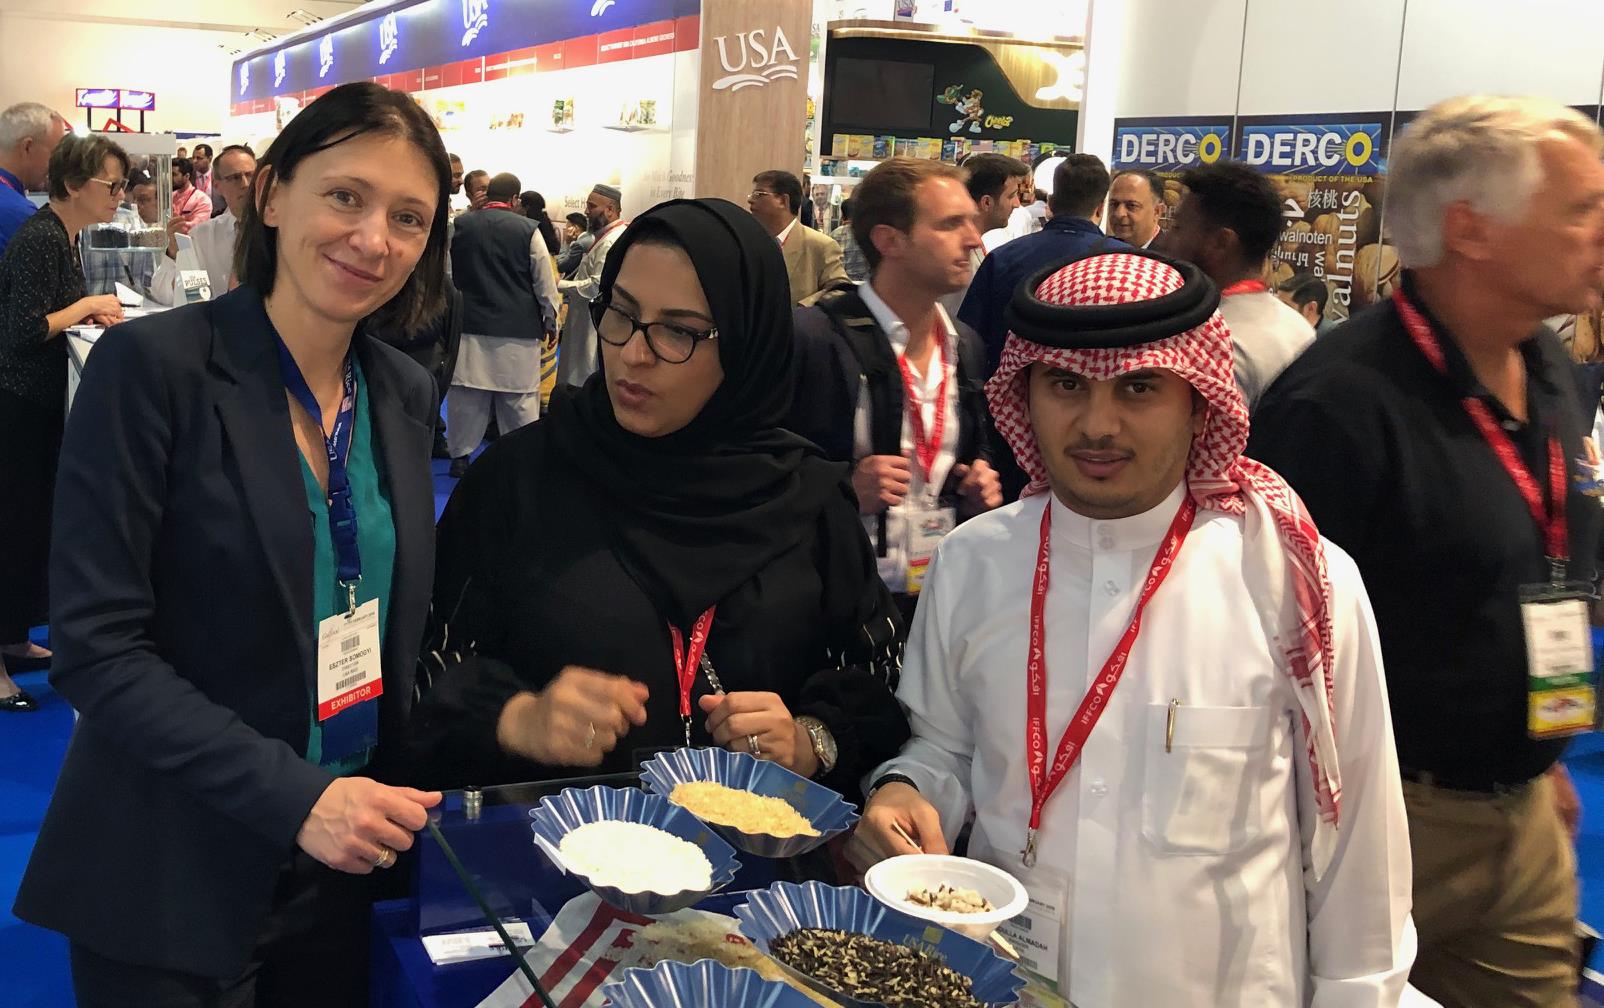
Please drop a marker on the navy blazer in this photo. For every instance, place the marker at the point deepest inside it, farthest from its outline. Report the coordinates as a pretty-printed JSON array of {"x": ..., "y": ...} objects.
[
  {"x": 181, "y": 617},
  {"x": 1001, "y": 272}
]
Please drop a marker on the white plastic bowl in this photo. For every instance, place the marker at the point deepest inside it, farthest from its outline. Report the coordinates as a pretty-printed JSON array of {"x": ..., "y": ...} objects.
[{"x": 891, "y": 880}]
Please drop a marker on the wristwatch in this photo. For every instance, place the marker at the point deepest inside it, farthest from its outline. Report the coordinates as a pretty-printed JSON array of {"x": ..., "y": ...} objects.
[{"x": 823, "y": 743}]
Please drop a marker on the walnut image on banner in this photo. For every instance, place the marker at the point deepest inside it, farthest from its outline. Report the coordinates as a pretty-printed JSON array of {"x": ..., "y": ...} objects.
[{"x": 1330, "y": 171}]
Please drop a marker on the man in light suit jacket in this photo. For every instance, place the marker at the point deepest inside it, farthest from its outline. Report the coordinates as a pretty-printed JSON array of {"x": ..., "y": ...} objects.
[{"x": 812, "y": 258}]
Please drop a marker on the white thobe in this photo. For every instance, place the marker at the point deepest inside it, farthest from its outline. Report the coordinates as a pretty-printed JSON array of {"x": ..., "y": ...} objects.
[
  {"x": 1187, "y": 880},
  {"x": 214, "y": 247},
  {"x": 578, "y": 356}
]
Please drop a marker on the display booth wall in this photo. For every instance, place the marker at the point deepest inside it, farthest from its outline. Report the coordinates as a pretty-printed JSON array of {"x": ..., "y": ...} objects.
[
  {"x": 1315, "y": 98},
  {"x": 658, "y": 97}
]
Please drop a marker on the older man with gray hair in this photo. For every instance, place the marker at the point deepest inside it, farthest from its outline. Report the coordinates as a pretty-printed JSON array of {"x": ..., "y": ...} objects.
[
  {"x": 29, "y": 133},
  {"x": 1436, "y": 438}
]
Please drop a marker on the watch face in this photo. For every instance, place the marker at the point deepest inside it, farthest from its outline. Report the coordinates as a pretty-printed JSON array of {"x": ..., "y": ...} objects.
[{"x": 826, "y": 744}]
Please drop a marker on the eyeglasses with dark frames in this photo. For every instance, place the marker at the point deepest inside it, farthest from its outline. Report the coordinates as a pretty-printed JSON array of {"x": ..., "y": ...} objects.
[{"x": 669, "y": 342}]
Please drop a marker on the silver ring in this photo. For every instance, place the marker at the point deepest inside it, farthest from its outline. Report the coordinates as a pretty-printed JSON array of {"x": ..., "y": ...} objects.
[
  {"x": 385, "y": 859},
  {"x": 751, "y": 742},
  {"x": 590, "y": 736}
]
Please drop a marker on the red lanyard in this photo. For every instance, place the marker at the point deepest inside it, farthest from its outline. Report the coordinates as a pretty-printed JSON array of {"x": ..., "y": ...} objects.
[
  {"x": 688, "y": 660},
  {"x": 1246, "y": 287},
  {"x": 497, "y": 205},
  {"x": 6, "y": 180},
  {"x": 926, "y": 446},
  {"x": 1551, "y": 520},
  {"x": 1043, "y": 783},
  {"x": 609, "y": 229}
]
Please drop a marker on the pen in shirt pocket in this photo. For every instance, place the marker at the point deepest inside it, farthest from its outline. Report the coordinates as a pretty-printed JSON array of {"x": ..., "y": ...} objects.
[{"x": 1169, "y": 725}]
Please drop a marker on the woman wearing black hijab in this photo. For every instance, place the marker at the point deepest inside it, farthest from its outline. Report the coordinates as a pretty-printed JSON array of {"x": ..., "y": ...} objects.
[{"x": 585, "y": 560}]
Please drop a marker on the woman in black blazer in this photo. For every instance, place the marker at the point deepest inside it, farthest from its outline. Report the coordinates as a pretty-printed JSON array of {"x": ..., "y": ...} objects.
[{"x": 211, "y": 837}]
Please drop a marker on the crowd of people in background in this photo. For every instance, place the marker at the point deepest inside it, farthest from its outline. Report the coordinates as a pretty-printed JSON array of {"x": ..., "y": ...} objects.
[{"x": 730, "y": 437}]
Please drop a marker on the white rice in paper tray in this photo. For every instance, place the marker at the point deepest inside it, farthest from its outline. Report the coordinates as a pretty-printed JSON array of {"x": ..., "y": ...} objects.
[{"x": 590, "y": 943}]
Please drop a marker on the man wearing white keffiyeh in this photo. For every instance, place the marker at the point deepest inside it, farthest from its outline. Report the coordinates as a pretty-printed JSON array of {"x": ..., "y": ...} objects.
[{"x": 1167, "y": 637}]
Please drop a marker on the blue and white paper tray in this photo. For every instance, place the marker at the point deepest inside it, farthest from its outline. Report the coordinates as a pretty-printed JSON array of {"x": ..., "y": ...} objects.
[
  {"x": 572, "y": 808},
  {"x": 827, "y": 811},
  {"x": 786, "y": 906},
  {"x": 705, "y": 983}
]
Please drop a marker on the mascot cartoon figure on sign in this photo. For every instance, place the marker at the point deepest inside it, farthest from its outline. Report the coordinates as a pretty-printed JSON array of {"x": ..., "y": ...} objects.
[{"x": 969, "y": 108}]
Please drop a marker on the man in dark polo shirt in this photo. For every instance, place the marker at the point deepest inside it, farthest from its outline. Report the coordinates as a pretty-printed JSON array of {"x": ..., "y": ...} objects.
[{"x": 1425, "y": 434}]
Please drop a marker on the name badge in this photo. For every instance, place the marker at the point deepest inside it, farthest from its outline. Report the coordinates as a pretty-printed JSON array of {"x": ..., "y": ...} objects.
[
  {"x": 1036, "y": 935},
  {"x": 1560, "y": 689},
  {"x": 348, "y": 668},
  {"x": 197, "y": 286},
  {"x": 924, "y": 526}
]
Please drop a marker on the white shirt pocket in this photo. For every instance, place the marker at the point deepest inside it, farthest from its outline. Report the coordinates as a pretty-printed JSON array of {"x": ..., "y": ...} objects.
[{"x": 1203, "y": 795}]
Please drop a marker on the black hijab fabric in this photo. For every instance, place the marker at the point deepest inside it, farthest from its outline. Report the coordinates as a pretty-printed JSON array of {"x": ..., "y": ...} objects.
[{"x": 697, "y": 513}]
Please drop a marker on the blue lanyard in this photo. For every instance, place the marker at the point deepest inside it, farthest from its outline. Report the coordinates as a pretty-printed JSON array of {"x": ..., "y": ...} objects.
[{"x": 342, "y": 509}]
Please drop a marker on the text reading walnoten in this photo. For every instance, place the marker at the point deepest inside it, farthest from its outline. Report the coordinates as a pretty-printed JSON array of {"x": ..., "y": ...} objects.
[{"x": 1329, "y": 256}]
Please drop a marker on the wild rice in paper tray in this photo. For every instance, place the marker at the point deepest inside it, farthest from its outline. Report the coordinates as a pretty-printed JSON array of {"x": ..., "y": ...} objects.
[{"x": 590, "y": 942}]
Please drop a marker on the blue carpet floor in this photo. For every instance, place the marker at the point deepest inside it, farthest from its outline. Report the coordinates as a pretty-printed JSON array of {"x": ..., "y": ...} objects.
[{"x": 32, "y": 745}]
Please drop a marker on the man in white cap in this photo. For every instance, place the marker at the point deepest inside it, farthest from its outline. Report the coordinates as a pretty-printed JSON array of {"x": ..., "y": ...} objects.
[
  {"x": 1156, "y": 688},
  {"x": 578, "y": 356}
]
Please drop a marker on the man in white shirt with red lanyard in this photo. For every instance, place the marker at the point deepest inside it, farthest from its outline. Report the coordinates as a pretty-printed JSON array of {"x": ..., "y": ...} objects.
[
  {"x": 1227, "y": 223},
  {"x": 888, "y": 381},
  {"x": 1223, "y": 824}
]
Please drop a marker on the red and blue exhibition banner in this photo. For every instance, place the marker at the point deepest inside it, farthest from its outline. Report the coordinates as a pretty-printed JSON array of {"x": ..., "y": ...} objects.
[{"x": 442, "y": 43}]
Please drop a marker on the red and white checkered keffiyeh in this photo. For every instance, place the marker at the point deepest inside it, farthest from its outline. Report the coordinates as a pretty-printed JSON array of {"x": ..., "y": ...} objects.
[{"x": 1218, "y": 476}]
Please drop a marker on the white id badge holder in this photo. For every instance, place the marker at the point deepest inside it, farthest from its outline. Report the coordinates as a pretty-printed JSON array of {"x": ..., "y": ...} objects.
[
  {"x": 1561, "y": 690},
  {"x": 1037, "y": 935},
  {"x": 194, "y": 283},
  {"x": 924, "y": 526},
  {"x": 348, "y": 668}
]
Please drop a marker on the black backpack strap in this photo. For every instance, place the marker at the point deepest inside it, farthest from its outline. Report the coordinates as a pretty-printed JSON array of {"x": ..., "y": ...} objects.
[{"x": 855, "y": 326}]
